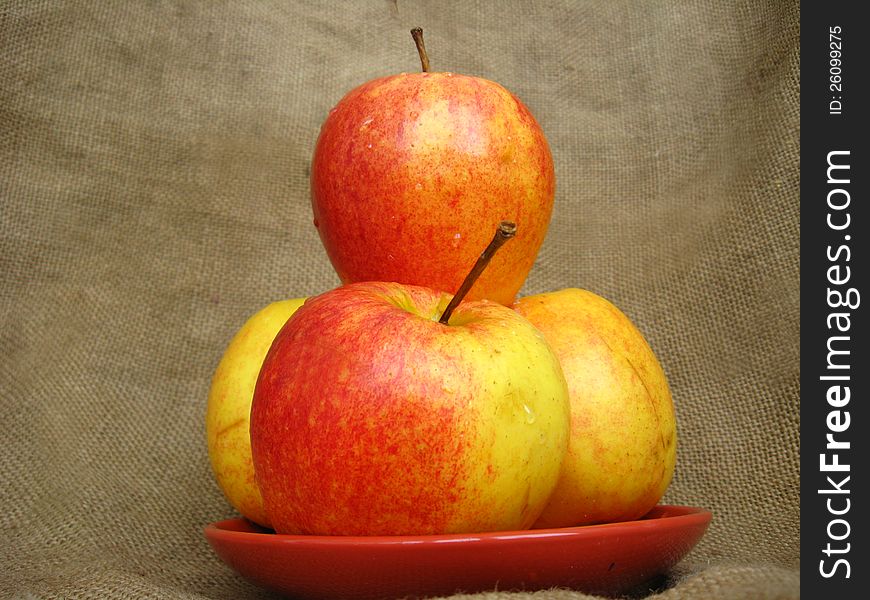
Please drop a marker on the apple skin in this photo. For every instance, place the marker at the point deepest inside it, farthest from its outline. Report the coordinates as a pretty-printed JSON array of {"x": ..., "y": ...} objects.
[
  {"x": 411, "y": 174},
  {"x": 229, "y": 408},
  {"x": 622, "y": 447},
  {"x": 371, "y": 418}
]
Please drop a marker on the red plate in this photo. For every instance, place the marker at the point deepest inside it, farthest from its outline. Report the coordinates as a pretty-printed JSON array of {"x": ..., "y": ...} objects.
[{"x": 602, "y": 559}]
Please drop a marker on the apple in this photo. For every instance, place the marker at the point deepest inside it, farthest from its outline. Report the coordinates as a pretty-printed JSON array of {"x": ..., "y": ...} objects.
[
  {"x": 370, "y": 417},
  {"x": 391, "y": 409},
  {"x": 229, "y": 407},
  {"x": 410, "y": 171},
  {"x": 622, "y": 446}
]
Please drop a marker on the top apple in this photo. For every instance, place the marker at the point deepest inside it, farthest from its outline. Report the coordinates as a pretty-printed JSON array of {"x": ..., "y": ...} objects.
[{"x": 412, "y": 172}]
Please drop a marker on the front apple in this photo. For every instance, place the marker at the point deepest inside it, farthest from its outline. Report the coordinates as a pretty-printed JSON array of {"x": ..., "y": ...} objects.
[
  {"x": 372, "y": 418},
  {"x": 411, "y": 172}
]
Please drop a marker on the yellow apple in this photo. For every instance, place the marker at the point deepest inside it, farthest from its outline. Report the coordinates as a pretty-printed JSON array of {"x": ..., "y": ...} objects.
[
  {"x": 229, "y": 408},
  {"x": 622, "y": 447}
]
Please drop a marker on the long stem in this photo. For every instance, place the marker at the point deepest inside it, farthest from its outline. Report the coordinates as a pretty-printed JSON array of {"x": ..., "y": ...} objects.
[
  {"x": 417, "y": 34},
  {"x": 506, "y": 230}
]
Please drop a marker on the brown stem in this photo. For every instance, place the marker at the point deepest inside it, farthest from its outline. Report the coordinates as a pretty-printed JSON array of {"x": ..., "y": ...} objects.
[
  {"x": 506, "y": 230},
  {"x": 417, "y": 34}
]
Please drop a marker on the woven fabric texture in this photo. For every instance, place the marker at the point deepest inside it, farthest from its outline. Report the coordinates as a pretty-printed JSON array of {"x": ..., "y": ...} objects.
[{"x": 154, "y": 167}]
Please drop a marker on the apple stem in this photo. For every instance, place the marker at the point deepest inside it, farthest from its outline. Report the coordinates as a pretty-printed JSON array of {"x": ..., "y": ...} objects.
[
  {"x": 417, "y": 34},
  {"x": 506, "y": 230}
]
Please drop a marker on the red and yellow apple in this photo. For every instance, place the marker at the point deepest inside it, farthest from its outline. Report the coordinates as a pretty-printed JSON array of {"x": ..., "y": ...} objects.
[
  {"x": 229, "y": 407},
  {"x": 370, "y": 417},
  {"x": 411, "y": 172},
  {"x": 622, "y": 447}
]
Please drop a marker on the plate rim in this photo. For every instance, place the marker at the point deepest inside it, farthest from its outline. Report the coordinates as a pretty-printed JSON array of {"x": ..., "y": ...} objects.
[{"x": 685, "y": 515}]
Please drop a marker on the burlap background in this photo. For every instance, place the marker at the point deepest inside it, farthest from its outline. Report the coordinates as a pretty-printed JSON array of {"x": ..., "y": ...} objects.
[{"x": 154, "y": 193}]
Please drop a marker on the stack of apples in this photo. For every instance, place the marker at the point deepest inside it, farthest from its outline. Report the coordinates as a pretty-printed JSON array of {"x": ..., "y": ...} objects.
[{"x": 421, "y": 396}]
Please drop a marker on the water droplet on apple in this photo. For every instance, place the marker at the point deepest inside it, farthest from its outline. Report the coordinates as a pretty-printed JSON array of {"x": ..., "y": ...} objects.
[
  {"x": 530, "y": 414},
  {"x": 419, "y": 186},
  {"x": 369, "y": 146}
]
